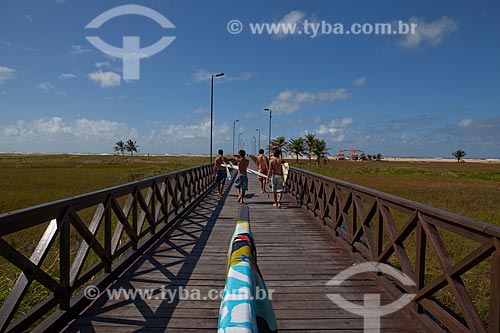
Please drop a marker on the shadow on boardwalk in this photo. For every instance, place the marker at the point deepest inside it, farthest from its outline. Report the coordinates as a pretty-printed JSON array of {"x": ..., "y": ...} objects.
[{"x": 164, "y": 270}]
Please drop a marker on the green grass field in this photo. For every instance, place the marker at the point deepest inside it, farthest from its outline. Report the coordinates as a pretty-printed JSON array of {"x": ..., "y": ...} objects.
[
  {"x": 28, "y": 180},
  {"x": 468, "y": 189}
]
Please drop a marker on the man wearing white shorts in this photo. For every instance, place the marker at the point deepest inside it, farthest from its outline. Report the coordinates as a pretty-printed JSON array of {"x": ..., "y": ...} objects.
[{"x": 275, "y": 176}]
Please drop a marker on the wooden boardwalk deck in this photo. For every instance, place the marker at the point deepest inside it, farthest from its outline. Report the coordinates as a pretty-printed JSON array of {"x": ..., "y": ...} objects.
[{"x": 295, "y": 255}]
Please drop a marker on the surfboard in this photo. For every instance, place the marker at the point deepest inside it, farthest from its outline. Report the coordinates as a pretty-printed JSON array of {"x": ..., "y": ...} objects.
[
  {"x": 230, "y": 166},
  {"x": 252, "y": 171},
  {"x": 285, "y": 168},
  {"x": 260, "y": 174},
  {"x": 228, "y": 177}
]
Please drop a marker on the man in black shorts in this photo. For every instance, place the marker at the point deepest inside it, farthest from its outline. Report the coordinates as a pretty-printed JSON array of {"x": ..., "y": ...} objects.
[{"x": 220, "y": 171}]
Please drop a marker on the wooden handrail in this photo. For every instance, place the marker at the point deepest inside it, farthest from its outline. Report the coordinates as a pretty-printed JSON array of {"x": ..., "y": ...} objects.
[
  {"x": 364, "y": 220},
  {"x": 125, "y": 222}
]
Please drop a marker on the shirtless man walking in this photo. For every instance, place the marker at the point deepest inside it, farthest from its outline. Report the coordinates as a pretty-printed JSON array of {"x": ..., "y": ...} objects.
[
  {"x": 262, "y": 164},
  {"x": 241, "y": 180},
  {"x": 220, "y": 171},
  {"x": 275, "y": 176}
]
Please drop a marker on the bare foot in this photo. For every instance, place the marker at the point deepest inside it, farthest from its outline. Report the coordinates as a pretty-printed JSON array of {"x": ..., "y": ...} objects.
[{"x": 279, "y": 204}]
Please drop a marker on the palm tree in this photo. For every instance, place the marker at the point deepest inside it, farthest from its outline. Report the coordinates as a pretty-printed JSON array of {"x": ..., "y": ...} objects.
[
  {"x": 279, "y": 144},
  {"x": 459, "y": 154},
  {"x": 131, "y": 146},
  {"x": 379, "y": 157},
  {"x": 319, "y": 149},
  {"x": 297, "y": 147},
  {"x": 310, "y": 143},
  {"x": 120, "y": 146}
]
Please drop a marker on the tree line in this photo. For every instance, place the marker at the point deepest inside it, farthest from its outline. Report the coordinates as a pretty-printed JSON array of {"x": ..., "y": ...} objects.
[
  {"x": 129, "y": 146},
  {"x": 310, "y": 145}
]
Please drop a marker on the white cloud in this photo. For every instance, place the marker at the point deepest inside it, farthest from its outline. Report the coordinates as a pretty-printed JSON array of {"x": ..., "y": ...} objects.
[
  {"x": 46, "y": 87},
  {"x": 197, "y": 132},
  {"x": 55, "y": 128},
  {"x": 202, "y": 75},
  {"x": 51, "y": 126},
  {"x": 66, "y": 76},
  {"x": 293, "y": 18},
  {"x": 61, "y": 2},
  {"x": 6, "y": 74},
  {"x": 79, "y": 50},
  {"x": 289, "y": 101},
  {"x": 241, "y": 77},
  {"x": 109, "y": 98},
  {"x": 102, "y": 64},
  {"x": 360, "y": 81},
  {"x": 200, "y": 110},
  {"x": 428, "y": 33},
  {"x": 106, "y": 79},
  {"x": 465, "y": 123},
  {"x": 343, "y": 122},
  {"x": 334, "y": 130}
]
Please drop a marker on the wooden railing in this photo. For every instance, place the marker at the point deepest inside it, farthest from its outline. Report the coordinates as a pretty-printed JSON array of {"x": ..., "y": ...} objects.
[
  {"x": 452, "y": 286},
  {"x": 95, "y": 237}
]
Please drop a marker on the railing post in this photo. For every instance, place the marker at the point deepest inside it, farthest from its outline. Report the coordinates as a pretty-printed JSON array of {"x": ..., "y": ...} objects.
[
  {"x": 135, "y": 220},
  {"x": 153, "y": 208},
  {"x": 494, "y": 324},
  {"x": 420, "y": 259},
  {"x": 64, "y": 260},
  {"x": 379, "y": 229},
  {"x": 108, "y": 236},
  {"x": 354, "y": 221}
]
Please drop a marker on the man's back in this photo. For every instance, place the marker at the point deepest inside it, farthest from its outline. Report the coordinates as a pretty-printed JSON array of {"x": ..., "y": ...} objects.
[
  {"x": 218, "y": 162},
  {"x": 243, "y": 165},
  {"x": 262, "y": 162},
  {"x": 275, "y": 166}
]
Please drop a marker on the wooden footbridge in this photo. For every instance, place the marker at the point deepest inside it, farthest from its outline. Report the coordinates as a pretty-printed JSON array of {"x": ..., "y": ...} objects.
[{"x": 171, "y": 233}]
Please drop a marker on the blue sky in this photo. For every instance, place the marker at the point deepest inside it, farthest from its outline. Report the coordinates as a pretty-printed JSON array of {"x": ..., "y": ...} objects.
[{"x": 426, "y": 94}]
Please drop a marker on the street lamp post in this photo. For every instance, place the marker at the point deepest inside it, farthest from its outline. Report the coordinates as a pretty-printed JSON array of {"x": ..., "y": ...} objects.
[
  {"x": 270, "y": 117},
  {"x": 239, "y": 141},
  {"x": 234, "y": 125},
  {"x": 258, "y": 130},
  {"x": 254, "y": 145},
  {"x": 212, "y": 112}
]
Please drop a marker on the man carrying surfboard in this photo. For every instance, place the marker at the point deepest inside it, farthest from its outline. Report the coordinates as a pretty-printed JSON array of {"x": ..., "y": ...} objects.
[
  {"x": 275, "y": 176},
  {"x": 241, "y": 180},
  {"x": 262, "y": 163},
  {"x": 220, "y": 171}
]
